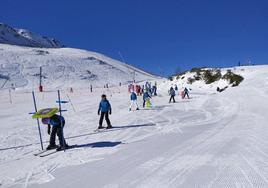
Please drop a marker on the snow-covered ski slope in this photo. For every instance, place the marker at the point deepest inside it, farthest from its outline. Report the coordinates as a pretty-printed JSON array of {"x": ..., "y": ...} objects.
[
  {"x": 62, "y": 68},
  {"x": 23, "y": 37},
  {"x": 211, "y": 140}
]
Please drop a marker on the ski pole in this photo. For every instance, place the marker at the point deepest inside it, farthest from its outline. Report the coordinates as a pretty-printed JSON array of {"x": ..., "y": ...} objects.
[
  {"x": 39, "y": 130},
  {"x": 61, "y": 126},
  {"x": 70, "y": 102}
]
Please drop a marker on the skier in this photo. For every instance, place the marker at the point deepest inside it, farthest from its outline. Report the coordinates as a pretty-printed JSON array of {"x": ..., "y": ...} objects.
[
  {"x": 57, "y": 123},
  {"x": 186, "y": 92},
  {"x": 104, "y": 110},
  {"x": 129, "y": 88},
  {"x": 133, "y": 98},
  {"x": 143, "y": 89},
  {"x": 154, "y": 90},
  {"x": 172, "y": 95},
  {"x": 176, "y": 89},
  {"x": 137, "y": 89},
  {"x": 91, "y": 88},
  {"x": 146, "y": 96}
]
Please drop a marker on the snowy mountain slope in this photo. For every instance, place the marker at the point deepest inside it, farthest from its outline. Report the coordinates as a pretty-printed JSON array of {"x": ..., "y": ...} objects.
[
  {"x": 189, "y": 80},
  {"x": 62, "y": 67},
  {"x": 22, "y": 37},
  {"x": 215, "y": 140}
]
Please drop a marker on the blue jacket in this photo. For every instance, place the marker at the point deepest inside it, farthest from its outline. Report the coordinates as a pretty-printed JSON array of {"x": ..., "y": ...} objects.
[
  {"x": 133, "y": 96},
  {"x": 172, "y": 92},
  {"x": 56, "y": 120},
  {"x": 146, "y": 96},
  {"x": 104, "y": 106}
]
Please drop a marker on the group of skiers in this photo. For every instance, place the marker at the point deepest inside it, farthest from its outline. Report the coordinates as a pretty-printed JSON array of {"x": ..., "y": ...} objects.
[
  {"x": 140, "y": 90},
  {"x": 57, "y": 122},
  {"x": 175, "y": 91}
]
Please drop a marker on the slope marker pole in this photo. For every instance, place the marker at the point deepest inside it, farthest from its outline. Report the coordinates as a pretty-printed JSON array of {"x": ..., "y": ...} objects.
[
  {"x": 61, "y": 126},
  {"x": 38, "y": 123}
]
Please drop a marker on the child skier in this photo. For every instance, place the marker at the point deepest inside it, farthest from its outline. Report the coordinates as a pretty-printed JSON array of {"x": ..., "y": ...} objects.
[
  {"x": 133, "y": 98},
  {"x": 186, "y": 93},
  {"x": 172, "y": 94},
  {"x": 104, "y": 110},
  {"x": 146, "y": 96},
  {"x": 57, "y": 123}
]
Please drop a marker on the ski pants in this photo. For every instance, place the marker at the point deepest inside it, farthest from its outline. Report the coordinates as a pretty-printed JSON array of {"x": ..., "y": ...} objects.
[
  {"x": 56, "y": 130},
  {"x": 106, "y": 115},
  {"x": 172, "y": 97},
  {"x": 133, "y": 103},
  {"x": 186, "y": 94},
  {"x": 143, "y": 104}
]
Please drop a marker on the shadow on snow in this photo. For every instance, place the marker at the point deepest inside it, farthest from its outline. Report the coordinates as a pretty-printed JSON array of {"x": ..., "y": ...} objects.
[
  {"x": 103, "y": 144},
  {"x": 97, "y": 144}
]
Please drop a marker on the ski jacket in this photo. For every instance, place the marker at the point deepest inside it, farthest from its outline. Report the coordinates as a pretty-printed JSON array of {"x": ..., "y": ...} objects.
[
  {"x": 133, "y": 96},
  {"x": 146, "y": 96},
  {"x": 172, "y": 92},
  {"x": 104, "y": 106},
  {"x": 56, "y": 120},
  {"x": 186, "y": 90}
]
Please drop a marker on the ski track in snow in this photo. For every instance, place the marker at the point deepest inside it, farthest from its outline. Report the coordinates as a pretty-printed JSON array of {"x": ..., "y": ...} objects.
[{"x": 211, "y": 140}]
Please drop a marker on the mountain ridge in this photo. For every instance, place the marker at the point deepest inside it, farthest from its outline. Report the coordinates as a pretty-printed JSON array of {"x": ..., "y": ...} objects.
[{"x": 23, "y": 37}]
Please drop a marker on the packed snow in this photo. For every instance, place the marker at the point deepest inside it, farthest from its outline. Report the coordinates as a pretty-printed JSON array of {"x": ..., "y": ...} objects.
[
  {"x": 210, "y": 140},
  {"x": 62, "y": 68}
]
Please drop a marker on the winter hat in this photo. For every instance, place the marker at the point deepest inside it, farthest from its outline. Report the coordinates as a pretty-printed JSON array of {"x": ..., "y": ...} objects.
[
  {"x": 103, "y": 96},
  {"x": 45, "y": 120}
]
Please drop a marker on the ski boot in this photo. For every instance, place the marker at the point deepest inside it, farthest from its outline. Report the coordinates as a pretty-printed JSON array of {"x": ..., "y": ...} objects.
[
  {"x": 100, "y": 127},
  {"x": 61, "y": 147},
  {"x": 54, "y": 146}
]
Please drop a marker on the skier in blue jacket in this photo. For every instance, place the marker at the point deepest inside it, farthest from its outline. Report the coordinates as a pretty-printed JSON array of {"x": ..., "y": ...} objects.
[
  {"x": 133, "y": 99},
  {"x": 186, "y": 93},
  {"x": 145, "y": 97},
  {"x": 57, "y": 123},
  {"x": 104, "y": 110},
  {"x": 172, "y": 94}
]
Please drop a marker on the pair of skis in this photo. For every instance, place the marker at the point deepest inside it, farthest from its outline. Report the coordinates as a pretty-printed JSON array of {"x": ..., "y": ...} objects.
[{"x": 44, "y": 153}]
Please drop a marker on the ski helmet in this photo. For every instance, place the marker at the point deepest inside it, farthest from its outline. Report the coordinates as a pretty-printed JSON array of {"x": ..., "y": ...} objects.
[{"x": 45, "y": 120}]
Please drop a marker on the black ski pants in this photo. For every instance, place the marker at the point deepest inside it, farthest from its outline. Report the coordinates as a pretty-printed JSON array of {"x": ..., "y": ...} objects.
[
  {"x": 106, "y": 115},
  {"x": 172, "y": 97},
  {"x": 186, "y": 94},
  {"x": 56, "y": 130}
]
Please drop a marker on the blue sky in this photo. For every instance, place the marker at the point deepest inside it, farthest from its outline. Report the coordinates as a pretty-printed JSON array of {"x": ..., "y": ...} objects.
[{"x": 159, "y": 36}]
